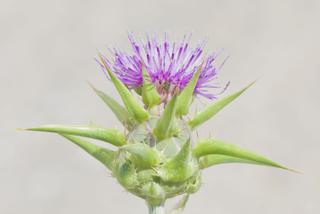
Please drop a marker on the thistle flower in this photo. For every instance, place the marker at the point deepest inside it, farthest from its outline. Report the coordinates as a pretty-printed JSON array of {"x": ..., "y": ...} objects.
[
  {"x": 170, "y": 66},
  {"x": 156, "y": 156}
]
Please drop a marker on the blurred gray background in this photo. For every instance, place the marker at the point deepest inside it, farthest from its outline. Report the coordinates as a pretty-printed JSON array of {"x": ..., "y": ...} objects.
[{"x": 46, "y": 57}]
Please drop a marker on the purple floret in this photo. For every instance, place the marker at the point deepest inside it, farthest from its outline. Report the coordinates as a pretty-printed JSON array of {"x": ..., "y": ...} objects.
[{"x": 170, "y": 65}]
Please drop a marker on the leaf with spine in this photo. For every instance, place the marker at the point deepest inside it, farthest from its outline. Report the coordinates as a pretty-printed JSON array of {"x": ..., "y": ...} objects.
[
  {"x": 112, "y": 136},
  {"x": 143, "y": 156},
  {"x": 121, "y": 113},
  {"x": 186, "y": 96},
  {"x": 103, "y": 155},
  {"x": 132, "y": 105},
  {"x": 180, "y": 167},
  {"x": 164, "y": 124},
  {"x": 214, "y": 108},
  {"x": 179, "y": 207},
  {"x": 211, "y": 160},
  {"x": 217, "y": 147},
  {"x": 150, "y": 95}
]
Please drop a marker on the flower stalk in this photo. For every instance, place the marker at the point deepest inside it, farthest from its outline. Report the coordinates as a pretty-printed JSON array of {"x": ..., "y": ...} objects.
[{"x": 156, "y": 209}]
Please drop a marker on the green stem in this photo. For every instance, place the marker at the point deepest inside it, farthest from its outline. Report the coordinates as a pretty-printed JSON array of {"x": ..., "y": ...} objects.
[{"x": 157, "y": 209}]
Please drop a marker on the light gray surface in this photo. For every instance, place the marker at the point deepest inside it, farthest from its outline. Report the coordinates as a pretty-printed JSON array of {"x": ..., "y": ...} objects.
[{"x": 46, "y": 57}]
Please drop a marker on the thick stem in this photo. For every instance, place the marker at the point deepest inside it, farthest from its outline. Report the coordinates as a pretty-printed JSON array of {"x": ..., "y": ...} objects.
[{"x": 157, "y": 209}]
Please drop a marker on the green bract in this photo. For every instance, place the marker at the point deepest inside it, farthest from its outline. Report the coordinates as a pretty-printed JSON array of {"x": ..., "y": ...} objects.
[
  {"x": 156, "y": 156},
  {"x": 150, "y": 96}
]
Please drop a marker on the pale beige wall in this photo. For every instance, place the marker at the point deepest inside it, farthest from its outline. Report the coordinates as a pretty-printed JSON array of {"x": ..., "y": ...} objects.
[{"x": 46, "y": 57}]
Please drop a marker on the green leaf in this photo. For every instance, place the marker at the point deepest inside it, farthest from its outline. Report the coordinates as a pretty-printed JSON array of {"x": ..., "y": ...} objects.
[
  {"x": 103, "y": 155},
  {"x": 132, "y": 105},
  {"x": 214, "y": 108},
  {"x": 121, "y": 113},
  {"x": 180, "y": 167},
  {"x": 112, "y": 136},
  {"x": 164, "y": 124},
  {"x": 185, "y": 97},
  {"x": 143, "y": 156},
  {"x": 150, "y": 95},
  {"x": 216, "y": 147},
  {"x": 211, "y": 160}
]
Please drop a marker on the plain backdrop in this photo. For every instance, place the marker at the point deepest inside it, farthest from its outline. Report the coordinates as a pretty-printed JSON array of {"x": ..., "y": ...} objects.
[{"x": 47, "y": 51}]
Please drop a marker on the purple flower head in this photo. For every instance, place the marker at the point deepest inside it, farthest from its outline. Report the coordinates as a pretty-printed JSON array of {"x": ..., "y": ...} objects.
[{"x": 170, "y": 65}]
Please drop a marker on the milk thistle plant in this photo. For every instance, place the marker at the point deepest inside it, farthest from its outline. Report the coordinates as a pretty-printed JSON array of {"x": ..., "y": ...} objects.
[{"x": 156, "y": 156}]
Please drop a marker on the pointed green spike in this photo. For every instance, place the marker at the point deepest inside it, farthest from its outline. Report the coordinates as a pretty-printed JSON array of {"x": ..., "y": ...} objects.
[
  {"x": 103, "y": 155},
  {"x": 186, "y": 96},
  {"x": 214, "y": 108},
  {"x": 180, "y": 167},
  {"x": 112, "y": 136},
  {"x": 164, "y": 124},
  {"x": 132, "y": 105},
  {"x": 150, "y": 95},
  {"x": 209, "y": 147},
  {"x": 143, "y": 156},
  {"x": 121, "y": 113},
  {"x": 211, "y": 160}
]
